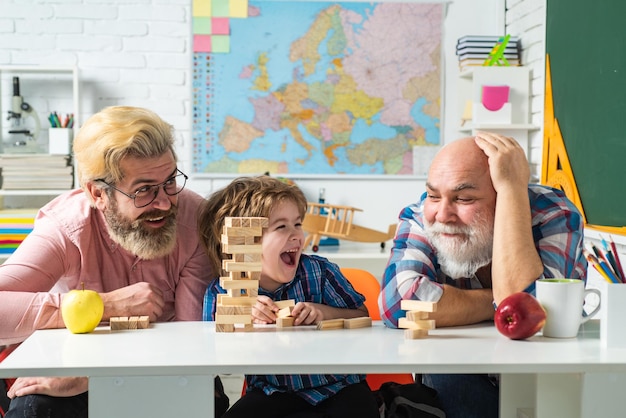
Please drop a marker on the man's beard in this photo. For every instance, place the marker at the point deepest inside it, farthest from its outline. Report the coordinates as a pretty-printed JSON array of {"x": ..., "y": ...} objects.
[
  {"x": 144, "y": 242},
  {"x": 462, "y": 256}
]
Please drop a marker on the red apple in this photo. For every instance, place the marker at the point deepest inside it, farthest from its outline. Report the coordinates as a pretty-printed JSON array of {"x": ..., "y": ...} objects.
[{"x": 519, "y": 316}]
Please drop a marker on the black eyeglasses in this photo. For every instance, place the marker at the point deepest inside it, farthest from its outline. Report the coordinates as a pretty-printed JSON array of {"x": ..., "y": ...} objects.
[{"x": 145, "y": 195}]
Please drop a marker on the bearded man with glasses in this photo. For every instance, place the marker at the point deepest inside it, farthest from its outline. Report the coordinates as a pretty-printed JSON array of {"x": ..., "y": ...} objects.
[{"x": 128, "y": 233}]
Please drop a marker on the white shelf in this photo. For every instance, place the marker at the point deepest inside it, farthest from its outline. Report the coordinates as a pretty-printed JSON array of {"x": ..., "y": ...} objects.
[
  {"x": 499, "y": 127},
  {"x": 33, "y": 78},
  {"x": 470, "y": 86},
  {"x": 32, "y": 192}
]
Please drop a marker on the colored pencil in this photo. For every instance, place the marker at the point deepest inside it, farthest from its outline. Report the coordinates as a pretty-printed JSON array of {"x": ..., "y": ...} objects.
[
  {"x": 593, "y": 260},
  {"x": 617, "y": 260},
  {"x": 608, "y": 255}
]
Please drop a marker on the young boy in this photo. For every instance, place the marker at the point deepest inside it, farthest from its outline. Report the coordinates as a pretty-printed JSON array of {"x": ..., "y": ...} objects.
[{"x": 317, "y": 285}]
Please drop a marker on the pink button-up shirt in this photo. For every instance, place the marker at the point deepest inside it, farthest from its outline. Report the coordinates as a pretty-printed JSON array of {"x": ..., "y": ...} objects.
[{"x": 70, "y": 244}]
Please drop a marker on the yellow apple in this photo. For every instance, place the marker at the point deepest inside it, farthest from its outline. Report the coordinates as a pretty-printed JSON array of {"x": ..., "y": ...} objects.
[{"x": 82, "y": 310}]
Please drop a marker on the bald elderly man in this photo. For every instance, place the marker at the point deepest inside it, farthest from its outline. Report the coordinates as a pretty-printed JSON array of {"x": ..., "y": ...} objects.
[{"x": 478, "y": 234}]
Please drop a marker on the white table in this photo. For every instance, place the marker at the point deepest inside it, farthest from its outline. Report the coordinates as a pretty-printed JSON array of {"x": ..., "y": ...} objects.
[{"x": 169, "y": 368}]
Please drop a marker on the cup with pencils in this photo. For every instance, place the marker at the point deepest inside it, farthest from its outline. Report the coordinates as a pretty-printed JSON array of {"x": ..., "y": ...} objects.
[
  {"x": 607, "y": 262},
  {"x": 60, "y": 134}
]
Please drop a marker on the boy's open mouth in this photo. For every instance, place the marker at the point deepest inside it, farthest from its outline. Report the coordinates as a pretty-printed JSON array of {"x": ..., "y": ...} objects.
[{"x": 289, "y": 257}]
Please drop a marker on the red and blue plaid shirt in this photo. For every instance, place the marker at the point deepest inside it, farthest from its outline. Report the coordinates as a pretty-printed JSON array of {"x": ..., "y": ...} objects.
[{"x": 317, "y": 280}]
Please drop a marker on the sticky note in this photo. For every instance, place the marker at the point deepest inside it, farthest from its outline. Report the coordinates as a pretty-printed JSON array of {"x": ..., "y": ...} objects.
[
  {"x": 201, "y": 43},
  {"x": 220, "y": 43},
  {"x": 201, "y": 8},
  {"x": 202, "y": 25},
  {"x": 220, "y": 25},
  {"x": 220, "y": 8},
  {"x": 239, "y": 8}
]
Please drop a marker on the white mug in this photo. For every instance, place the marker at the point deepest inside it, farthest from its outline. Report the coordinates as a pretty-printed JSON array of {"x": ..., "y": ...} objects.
[{"x": 563, "y": 301}]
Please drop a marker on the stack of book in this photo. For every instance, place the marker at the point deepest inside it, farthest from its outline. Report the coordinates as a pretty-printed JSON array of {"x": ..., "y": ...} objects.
[
  {"x": 474, "y": 50},
  {"x": 36, "y": 172},
  {"x": 15, "y": 225}
]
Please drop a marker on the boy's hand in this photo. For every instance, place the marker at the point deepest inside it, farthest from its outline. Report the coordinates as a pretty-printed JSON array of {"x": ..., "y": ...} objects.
[
  {"x": 264, "y": 311},
  {"x": 306, "y": 313}
]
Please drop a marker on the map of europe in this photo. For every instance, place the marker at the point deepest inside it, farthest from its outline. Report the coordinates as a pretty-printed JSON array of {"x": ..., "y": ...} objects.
[{"x": 320, "y": 88}]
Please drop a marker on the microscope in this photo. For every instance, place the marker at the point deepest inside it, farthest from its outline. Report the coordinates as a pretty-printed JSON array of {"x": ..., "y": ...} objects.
[{"x": 22, "y": 138}]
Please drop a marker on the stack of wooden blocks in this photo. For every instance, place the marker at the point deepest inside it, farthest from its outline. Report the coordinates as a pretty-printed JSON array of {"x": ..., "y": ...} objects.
[
  {"x": 241, "y": 238},
  {"x": 416, "y": 323}
]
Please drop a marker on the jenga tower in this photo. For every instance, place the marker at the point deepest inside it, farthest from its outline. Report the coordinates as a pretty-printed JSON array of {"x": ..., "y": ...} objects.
[
  {"x": 241, "y": 238},
  {"x": 416, "y": 323}
]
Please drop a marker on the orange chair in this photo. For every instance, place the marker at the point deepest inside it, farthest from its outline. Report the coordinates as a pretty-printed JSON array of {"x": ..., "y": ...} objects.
[{"x": 367, "y": 284}]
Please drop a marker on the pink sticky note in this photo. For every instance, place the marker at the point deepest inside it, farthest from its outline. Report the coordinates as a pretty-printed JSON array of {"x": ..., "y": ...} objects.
[
  {"x": 220, "y": 26},
  {"x": 201, "y": 43}
]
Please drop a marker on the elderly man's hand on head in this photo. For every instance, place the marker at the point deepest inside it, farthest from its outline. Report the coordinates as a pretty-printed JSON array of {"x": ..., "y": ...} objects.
[{"x": 508, "y": 165}]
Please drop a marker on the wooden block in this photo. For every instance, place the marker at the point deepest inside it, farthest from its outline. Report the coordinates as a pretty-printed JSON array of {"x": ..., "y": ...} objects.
[
  {"x": 416, "y": 315},
  {"x": 118, "y": 323},
  {"x": 143, "y": 322},
  {"x": 422, "y": 324},
  {"x": 224, "y": 327},
  {"x": 226, "y": 240},
  {"x": 252, "y": 240},
  {"x": 234, "y": 310},
  {"x": 330, "y": 324},
  {"x": 243, "y": 232},
  {"x": 252, "y": 293},
  {"x": 418, "y": 305},
  {"x": 232, "y": 221},
  {"x": 247, "y": 327},
  {"x": 285, "y": 322},
  {"x": 414, "y": 334},
  {"x": 226, "y": 300},
  {"x": 362, "y": 322},
  {"x": 230, "y": 265},
  {"x": 253, "y": 275},
  {"x": 227, "y": 283},
  {"x": 233, "y": 319},
  {"x": 129, "y": 322},
  {"x": 262, "y": 222},
  {"x": 284, "y": 303},
  {"x": 253, "y": 249},
  {"x": 284, "y": 312}
]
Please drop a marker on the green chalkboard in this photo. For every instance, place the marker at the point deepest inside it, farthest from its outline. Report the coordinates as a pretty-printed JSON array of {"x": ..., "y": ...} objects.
[{"x": 586, "y": 42}]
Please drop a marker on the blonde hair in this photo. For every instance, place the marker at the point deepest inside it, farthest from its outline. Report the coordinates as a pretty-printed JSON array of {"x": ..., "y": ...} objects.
[
  {"x": 117, "y": 132},
  {"x": 244, "y": 196}
]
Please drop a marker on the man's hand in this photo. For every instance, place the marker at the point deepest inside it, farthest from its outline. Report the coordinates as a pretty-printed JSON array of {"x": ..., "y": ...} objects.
[
  {"x": 138, "y": 299},
  {"x": 508, "y": 165},
  {"x": 51, "y": 386}
]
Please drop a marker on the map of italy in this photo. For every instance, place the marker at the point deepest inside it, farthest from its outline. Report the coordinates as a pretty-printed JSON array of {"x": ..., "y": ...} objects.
[{"x": 322, "y": 88}]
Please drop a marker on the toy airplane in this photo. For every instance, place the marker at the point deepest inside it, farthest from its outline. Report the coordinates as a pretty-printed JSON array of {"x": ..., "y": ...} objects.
[{"x": 335, "y": 221}]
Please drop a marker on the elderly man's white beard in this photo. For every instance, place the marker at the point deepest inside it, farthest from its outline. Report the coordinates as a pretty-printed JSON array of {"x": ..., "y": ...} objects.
[{"x": 462, "y": 255}]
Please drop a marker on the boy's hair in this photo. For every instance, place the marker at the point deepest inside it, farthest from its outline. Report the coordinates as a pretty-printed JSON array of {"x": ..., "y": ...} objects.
[
  {"x": 243, "y": 197},
  {"x": 117, "y": 132}
]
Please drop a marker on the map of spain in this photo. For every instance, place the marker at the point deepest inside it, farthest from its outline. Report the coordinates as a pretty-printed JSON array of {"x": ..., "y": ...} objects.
[{"x": 320, "y": 88}]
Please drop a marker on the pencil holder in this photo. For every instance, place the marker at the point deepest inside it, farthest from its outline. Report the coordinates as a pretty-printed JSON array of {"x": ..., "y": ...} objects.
[
  {"x": 60, "y": 141},
  {"x": 612, "y": 330}
]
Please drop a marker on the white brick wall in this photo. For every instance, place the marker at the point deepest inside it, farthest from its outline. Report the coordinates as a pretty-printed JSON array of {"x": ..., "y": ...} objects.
[
  {"x": 132, "y": 53},
  {"x": 139, "y": 52}
]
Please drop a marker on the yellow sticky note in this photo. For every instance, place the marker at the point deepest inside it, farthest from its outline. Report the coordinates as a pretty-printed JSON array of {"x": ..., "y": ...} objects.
[
  {"x": 239, "y": 8},
  {"x": 201, "y": 8}
]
